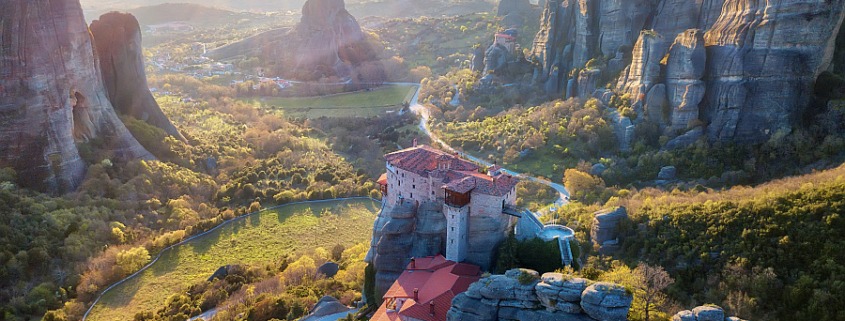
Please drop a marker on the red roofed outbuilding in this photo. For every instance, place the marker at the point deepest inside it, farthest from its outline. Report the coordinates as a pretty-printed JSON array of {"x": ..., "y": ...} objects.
[{"x": 425, "y": 290}]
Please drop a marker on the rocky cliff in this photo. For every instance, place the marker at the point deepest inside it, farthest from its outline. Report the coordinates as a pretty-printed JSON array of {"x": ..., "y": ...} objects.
[
  {"x": 521, "y": 294},
  {"x": 118, "y": 41},
  {"x": 408, "y": 230},
  {"x": 52, "y": 96},
  {"x": 327, "y": 43},
  {"x": 744, "y": 68}
]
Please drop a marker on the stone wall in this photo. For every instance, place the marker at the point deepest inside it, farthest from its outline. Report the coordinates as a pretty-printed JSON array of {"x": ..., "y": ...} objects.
[
  {"x": 406, "y": 184},
  {"x": 520, "y": 294}
]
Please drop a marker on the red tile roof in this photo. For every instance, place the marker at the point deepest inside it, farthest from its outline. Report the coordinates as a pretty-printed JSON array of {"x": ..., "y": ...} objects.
[
  {"x": 423, "y": 159},
  {"x": 437, "y": 280},
  {"x": 461, "y": 177},
  {"x": 382, "y": 180}
]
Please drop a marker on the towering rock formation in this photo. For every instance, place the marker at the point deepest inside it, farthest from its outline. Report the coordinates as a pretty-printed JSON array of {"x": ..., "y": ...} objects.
[
  {"x": 514, "y": 13},
  {"x": 52, "y": 96},
  {"x": 327, "y": 42},
  {"x": 118, "y": 41},
  {"x": 403, "y": 232},
  {"x": 744, "y": 67}
]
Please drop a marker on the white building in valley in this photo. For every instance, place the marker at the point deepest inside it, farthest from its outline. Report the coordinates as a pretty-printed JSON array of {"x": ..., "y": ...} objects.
[{"x": 424, "y": 174}]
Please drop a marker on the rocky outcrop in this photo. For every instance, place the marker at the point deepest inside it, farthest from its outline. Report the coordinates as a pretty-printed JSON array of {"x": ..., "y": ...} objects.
[
  {"x": 400, "y": 233},
  {"x": 667, "y": 173},
  {"x": 327, "y": 44},
  {"x": 606, "y": 302},
  {"x": 118, "y": 42},
  {"x": 515, "y": 12},
  {"x": 763, "y": 58},
  {"x": 746, "y": 68},
  {"x": 685, "y": 87},
  {"x": 407, "y": 230},
  {"x": 52, "y": 96},
  {"x": 704, "y": 313},
  {"x": 520, "y": 294},
  {"x": 605, "y": 229},
  {"x": 326, "y": 306}
]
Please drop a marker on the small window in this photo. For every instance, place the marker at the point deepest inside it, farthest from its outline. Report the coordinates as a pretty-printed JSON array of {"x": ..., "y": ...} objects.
[
  {"x": 412, "y": 195},
  {"x": 452, "y": 241},
  {"x": 453, "y": 228},
  {"x": 414, "y": 186}
]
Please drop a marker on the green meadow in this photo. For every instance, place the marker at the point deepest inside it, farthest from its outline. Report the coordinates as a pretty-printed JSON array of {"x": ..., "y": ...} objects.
[
  {"x": 257, "y": 239},
  {"x": 355, "y": 104}
]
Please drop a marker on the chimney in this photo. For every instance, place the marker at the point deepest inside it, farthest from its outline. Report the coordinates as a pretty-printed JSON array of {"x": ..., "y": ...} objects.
[
  {"x": 413, "y": 263},
  {"x": 431, "y": 308},
  {"x": 415, "y": 142},
  {"x": 417, "y": 294}
]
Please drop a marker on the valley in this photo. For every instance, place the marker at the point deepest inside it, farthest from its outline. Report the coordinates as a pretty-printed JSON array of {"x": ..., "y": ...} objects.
[{"x": 442, "y": 160}]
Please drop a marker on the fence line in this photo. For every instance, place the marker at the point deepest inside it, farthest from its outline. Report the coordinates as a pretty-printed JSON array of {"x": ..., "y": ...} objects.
[{"x": 227, "y": 222}]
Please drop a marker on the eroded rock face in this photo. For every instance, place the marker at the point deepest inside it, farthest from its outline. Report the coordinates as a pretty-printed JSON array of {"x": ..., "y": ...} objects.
[
  {"x": 401, "y": 232},
  {"x": 745, "y": 67},
  {"x": 606, "y": 302},
  {"x": 763, "y": 59},
  {"x": 605, "y": 230},
  {"x": 520, "y": 294},
  {"x": 52, "y": 96},
  {"x": 327, "y": 44},
  {"x": 118, "y": 41}
]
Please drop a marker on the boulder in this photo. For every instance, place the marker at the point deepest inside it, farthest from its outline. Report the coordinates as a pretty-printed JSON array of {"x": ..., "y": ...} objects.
[
  {"x": 685, "y": 315},
  {"x": 709, "y": 313},
  {"x": 328, "y": 269},
  {"x": 606, "y": 225},
  {"x": 220, "y": 273},
  {"x": 667, "y": 173},
  {"x": 685, "y": 140},
  {"x": 606, "y": 302},
  {"x": 325, "y": 306},
  {"x": 598, "y": 169}
]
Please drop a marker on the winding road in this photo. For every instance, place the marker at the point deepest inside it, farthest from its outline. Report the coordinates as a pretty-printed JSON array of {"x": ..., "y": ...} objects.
[{"x": 425, "y": 117}]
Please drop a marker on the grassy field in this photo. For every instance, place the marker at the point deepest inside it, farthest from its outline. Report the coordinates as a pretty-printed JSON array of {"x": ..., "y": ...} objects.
[
  {"x": 357, "y": 104},
  {"x": 261, "y": 238}
]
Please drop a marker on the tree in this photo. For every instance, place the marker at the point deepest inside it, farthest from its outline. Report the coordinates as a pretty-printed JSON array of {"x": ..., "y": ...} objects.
[
  {"x": 133, "y": 259},
  {"x": 653, "y": 280}
]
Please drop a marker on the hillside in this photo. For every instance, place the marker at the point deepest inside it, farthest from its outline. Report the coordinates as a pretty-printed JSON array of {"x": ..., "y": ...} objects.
[{"x": 768, "y": 252}]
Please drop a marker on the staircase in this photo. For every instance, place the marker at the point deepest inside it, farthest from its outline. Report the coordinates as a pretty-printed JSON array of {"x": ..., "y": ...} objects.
[{"x": 565, "y": 251}]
